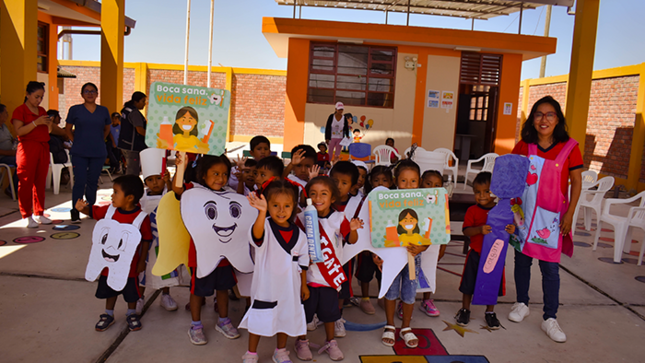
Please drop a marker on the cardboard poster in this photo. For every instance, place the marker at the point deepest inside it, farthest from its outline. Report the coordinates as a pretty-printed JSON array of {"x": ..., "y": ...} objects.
[
  {"x": 413, "y": 216},
  {"x": 187, "y": 118}
]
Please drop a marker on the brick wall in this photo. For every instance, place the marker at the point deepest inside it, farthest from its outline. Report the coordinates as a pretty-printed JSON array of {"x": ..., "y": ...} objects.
[
  {"x": 257, "y": 104},
  {"x": 610, "y": 123},
  {"x": 72, "y": 95}
]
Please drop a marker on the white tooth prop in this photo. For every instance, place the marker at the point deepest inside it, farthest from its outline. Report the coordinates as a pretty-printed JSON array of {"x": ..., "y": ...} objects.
[
  {"x": 394, "y": 258},
  {"x": 219, "y": 223},
  {"x": 113, "y": 246}
]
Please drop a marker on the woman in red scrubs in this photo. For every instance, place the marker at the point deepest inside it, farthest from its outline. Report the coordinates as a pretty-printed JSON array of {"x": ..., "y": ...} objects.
[{"x": 32, "y": 124}]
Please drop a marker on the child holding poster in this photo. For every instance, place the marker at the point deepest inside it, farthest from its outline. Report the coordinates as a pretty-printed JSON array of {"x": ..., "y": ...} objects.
[
  {"x": 475, "y": 227},
  {"x": 279, "y": 278},
  {"x": 407, "y": 175},
  {"x": 324, "y": 279}
]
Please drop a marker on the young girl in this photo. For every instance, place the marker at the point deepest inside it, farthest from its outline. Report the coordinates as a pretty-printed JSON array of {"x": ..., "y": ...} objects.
[
  {"x": 431, "y": 179},
  {"x": 366, "y": 268},
  {"x": 280, "y": 273},
  {"x": 406, "y": 176},
  {"x": 325, "y": 278},
  {"x": 212, "y": 173}
]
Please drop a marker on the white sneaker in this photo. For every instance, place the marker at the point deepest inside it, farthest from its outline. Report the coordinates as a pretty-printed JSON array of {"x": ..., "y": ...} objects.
[
  {"x": 339, "y": 328},
  {"x": 552, "y": 329},
  {"x": 42, "y": 219},
  {"x": 519, "y": 311},
  {"x": 168, "y": 302},
  {"x": 29, "y": 223},
  {"x": 140, "y": 304},
  {"x": 314, "y": 323}
]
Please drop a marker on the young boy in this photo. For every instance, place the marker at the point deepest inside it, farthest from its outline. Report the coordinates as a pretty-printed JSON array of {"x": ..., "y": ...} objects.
[
  {"x": 266, "y": 169},
  {"x": 157, "y": 182},
  {"x": 247, "y": 174},
  {"x": 260, "y": 148},
  {"x": 345, "y": 175},
  {"x": 323, "y": 156},
  {"x": 357, "y": 190},
  {"x": 475, "y": 227},
  {"x": 127, "y": 190},
  {"x": 303, "y": 158}
]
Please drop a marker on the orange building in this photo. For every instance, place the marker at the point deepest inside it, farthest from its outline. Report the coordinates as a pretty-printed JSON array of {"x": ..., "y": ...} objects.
[{"x": 435, "y": 87}]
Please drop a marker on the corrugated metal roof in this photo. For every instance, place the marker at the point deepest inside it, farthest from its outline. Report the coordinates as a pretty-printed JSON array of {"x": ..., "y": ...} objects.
[{"x": 471, "y": 9}]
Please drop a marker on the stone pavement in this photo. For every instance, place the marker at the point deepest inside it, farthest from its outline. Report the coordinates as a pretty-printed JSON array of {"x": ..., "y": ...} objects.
[{"x": 48, "y": 310}]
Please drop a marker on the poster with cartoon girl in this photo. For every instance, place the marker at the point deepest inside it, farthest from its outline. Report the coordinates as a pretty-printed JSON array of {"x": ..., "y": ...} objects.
[
  {"x": 187, "y": 118},
  {"x": 185, "y": 133}
]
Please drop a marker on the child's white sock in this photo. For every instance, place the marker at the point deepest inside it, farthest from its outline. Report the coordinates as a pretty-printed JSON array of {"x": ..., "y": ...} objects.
[
  {"x": 130, "y": 312},
  {"x": 109, "y": 312}
]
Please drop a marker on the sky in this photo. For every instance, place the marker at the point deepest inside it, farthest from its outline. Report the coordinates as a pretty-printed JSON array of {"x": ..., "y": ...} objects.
[{"x": 159, "y": 35}]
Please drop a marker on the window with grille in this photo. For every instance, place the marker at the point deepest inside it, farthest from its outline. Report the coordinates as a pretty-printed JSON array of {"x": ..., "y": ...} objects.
[
  {"x": 41, "y": 47},
  {"x": 479, "y": 103},
  {"x": 480, "y": 69},
  {"x": 356, "y": 75}
]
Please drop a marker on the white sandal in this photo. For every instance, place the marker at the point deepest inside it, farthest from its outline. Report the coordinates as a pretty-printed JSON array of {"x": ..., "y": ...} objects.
[
  {"x": 407, "y": 335},
  {"x": 388, "y": 334}
]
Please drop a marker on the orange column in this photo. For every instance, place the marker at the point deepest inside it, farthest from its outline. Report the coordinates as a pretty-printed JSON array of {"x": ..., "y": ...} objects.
[
  {"x": 296, "y": 92},
  {"x": 420, "y": 97},
  {"x": 509, "y": 92}
]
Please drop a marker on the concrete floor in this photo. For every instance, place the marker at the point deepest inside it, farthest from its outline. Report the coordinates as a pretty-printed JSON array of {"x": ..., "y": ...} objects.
[{"x": 48, "y": 310}]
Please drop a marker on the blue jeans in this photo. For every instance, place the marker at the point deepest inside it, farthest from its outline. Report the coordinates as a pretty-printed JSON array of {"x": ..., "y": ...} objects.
[
  {"x": 86, "y": 178},
  {"x": 402, "y": 286},
  {"x": 550, "y": 283}
]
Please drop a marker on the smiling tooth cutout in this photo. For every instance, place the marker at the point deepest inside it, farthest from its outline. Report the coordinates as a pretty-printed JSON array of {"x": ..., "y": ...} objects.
[
  {"x": 219, "y": 223},
  {"x": 113, "y": 246}
]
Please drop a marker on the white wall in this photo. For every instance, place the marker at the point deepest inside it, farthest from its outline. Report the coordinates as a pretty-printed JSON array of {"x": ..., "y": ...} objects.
[{"x": 438, "y": 123}]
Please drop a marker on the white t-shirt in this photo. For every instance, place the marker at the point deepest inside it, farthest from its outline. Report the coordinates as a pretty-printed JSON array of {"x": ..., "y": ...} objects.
[{"x": 337, "y": 127}]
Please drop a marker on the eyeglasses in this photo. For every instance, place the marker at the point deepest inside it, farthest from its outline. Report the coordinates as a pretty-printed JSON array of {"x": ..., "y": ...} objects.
[
  {"x": 90, "y": 92},
  {"x": 550, "y": 116}
]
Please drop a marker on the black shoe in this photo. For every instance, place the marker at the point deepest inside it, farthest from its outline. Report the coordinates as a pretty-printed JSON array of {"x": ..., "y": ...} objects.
[
  {"x": 76, "y": 216},
  {"x": 463, "y": 317},
  {"x": 491, "y": 320}
]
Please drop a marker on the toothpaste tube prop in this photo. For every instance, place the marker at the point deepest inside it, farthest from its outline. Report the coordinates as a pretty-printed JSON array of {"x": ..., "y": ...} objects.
[
  {"x": 312, "y": 232},
  {"x": 508, "y": 182}
]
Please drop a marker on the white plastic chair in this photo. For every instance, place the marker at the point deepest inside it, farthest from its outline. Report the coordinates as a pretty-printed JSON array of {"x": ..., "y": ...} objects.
[
  {"x": 595, "y": 204},
  {"x": 448, "y": 154},
  {"x": 383, "y": 153},
  {"x": 7, "y": 173},
  {"x": 55, "y": 171},
  {"x": 589, "y": 177},
  {"x": 622, "y": 232},
  {"x": 489, "y": 164},
  {"x": 429, "y": 160},
  {"x": 407, "y": 151}
]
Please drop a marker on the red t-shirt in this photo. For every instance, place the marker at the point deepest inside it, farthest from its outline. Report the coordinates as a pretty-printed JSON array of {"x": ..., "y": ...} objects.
[
  {"x": 121, "y": 216},
  {"x": 323, "y": 156},
  {"x": 574, "y": 161},
  {"x": 24, "y": 114},
  {"x": 476, "y": 216}
]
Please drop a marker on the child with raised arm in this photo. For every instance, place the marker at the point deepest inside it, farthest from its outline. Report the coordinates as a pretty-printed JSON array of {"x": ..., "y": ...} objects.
[
  {"x": 324, "y": 279},
  {"x": 260, "y": 148},
  {"x": 476, "y": 228},
  {"x": 212, "y": 173},
  {"x": 280, "y": 273},
  {"x": 125, "y": 209}
]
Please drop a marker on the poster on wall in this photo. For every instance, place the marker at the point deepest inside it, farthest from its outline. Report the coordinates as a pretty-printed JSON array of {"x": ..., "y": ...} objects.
[
  {"x": 447, "y": 99},
  {"x": 434, "y": 98},
  {"x": 508, "y": 108},
  {"x": 187, "y": 118}
]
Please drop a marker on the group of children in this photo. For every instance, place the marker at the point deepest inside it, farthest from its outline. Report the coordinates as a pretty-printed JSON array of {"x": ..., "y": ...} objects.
[{"x": 289, "y": 294}]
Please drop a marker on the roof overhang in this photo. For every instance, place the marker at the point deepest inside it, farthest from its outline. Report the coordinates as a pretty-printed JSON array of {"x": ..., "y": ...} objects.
[
  {"x": 76, "y": 12},
  {"x": 277, "y": 31},
  {"x": 470, "y": 9}
]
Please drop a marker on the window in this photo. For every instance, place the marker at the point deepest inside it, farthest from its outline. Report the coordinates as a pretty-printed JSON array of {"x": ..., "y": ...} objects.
[
  {"x": 479, "y": 103},
  {"x": 356, "y": 75},
  {"x": 41, "y": 48},
  {"x": 479, "y": 68}
]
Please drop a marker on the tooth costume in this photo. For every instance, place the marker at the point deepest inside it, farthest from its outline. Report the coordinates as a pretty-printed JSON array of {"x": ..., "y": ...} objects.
[
  {"x": 280, "y": 256},
  {"x": 115, "y": 247}
]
